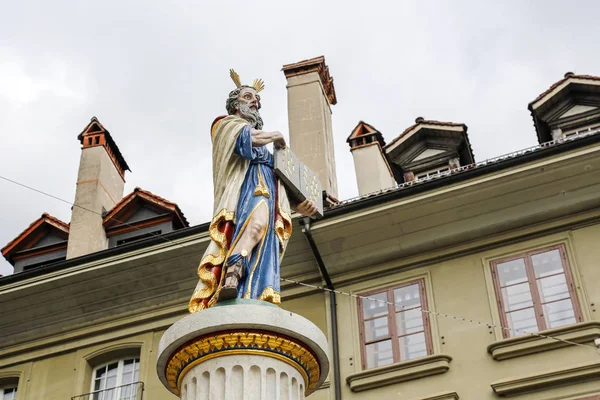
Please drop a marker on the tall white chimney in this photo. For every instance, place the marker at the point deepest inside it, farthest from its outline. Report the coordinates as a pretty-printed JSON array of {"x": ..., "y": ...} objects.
[
  {"x": 310, "y": 96},
  {"x": 373, "y": 171},
  {"x": 100, "y": 184}
]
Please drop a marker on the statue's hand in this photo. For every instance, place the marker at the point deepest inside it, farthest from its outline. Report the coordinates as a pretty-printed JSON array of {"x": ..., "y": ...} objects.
[
  {"x": 307, "y": 208},
  {"x": 279, "y": 142}
]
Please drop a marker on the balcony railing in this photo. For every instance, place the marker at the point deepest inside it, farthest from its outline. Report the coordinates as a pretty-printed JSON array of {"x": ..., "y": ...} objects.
[{"x": 132, "y": 391}]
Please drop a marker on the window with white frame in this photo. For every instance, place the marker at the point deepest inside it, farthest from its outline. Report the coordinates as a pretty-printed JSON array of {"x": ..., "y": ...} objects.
[
  {"x": 8, "y": 392},
  {"x": 116, "y": 380},
  {"x": 535, "y": 291}
]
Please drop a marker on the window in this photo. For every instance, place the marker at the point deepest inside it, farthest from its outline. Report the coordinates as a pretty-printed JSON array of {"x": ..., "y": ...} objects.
[
  {"x": 8, "y": 392},
  {"x": 396, "y": 331},
  {"x": 589, "y": 129},
  {"x": 116, "y": 380},
  {"x": 42, "y": 263},
  {"x": 432, "y": 172},
  {"x": 535, "y": 291}
]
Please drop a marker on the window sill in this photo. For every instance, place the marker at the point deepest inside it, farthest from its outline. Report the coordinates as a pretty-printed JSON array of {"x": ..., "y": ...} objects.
[
  {"x": 528, "y": 344},
  {"x": 400, "y": 372},
  {"x": 547, "y": 380},
  {"x": 441, "y": 396}
]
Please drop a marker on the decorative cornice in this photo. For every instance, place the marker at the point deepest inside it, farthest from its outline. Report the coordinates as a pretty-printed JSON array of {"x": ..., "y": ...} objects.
[
  {"x": 11, "y": 374},
  {"x": 268, "y": 344},
  {"x": 523, "y": 345},
  {"x": 135, "y": 345},
  {"x": 440, "y": 396},
  {"x": 547, "y": 380},
  {"x": 318, "y": 65},
  {"x": 400, "y": 372},
  {"x": 568, "y": 78}
]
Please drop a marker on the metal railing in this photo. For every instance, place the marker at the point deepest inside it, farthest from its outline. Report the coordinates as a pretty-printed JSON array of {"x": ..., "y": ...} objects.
[
  {"x": 494, "y": 160},
  {"x": 131, "y": 391}
]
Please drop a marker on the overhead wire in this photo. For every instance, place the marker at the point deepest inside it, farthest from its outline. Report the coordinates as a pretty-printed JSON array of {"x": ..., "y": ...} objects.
[
  {"x": 85, "y": 208},
  {"x": 444, "y": 315}
]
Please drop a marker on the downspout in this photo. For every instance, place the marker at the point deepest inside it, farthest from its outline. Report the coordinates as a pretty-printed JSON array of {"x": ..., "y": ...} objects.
[{"x": 332, "y": 308}]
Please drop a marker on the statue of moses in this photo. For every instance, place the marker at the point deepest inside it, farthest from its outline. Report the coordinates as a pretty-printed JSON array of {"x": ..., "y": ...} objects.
[{"x": 251, "y": 224}]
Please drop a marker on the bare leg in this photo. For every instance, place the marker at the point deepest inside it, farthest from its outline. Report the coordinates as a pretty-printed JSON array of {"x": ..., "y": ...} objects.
[
  {"x": 254, "y": 230},
  {"x": 253, "y": 233}
]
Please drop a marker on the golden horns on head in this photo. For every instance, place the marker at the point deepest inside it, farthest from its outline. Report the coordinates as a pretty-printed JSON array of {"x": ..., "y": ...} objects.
[{"x": 258, "y": 84}]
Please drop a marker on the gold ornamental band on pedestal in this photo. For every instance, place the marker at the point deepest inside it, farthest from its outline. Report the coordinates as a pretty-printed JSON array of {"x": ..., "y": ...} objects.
[{"x": 267, "y": 344}]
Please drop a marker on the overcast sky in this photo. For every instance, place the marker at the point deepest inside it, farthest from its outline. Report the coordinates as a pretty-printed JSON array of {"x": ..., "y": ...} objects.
[{"x": 155, "y": 73}]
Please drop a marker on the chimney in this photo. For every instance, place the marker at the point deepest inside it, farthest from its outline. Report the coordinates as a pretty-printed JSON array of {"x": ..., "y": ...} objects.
[
  {"x": 100, "y": 184},
  {"x": 373, "y": 172},
  {"x": 310, "y": 97}
]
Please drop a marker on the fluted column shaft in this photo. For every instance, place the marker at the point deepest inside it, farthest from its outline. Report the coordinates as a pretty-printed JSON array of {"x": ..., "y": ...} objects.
[{"x": 243, "y": 377}]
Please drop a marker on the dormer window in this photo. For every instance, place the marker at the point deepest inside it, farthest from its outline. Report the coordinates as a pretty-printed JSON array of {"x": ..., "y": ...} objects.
[
  {"x": 570, "y": 107},
  {"x": 43, "y": 242},
  {"x": 429, "y": 149},
  {"x": 141, "y": 215}
]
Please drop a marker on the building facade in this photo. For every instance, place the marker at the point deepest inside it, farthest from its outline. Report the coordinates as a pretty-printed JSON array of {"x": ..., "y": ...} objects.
[{"x": 454, "y": 278}]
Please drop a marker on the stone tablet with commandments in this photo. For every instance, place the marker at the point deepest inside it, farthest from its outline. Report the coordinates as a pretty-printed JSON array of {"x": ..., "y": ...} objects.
[{"x": 299, "y": 180}]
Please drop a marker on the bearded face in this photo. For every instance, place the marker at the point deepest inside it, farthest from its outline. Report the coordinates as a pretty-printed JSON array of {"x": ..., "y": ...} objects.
[
  {"x": 245, "y": 103},
  {"x": 251, "y": 115}
]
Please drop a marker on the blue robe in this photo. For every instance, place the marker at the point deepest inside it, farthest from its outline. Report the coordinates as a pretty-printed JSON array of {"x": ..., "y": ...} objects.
[{"x": 261, "y": 267}]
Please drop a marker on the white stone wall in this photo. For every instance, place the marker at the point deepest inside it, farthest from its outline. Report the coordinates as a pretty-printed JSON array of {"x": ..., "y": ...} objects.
[
  {"x": 311, "y": 136},
  {"x": 243, "y": 377},
  {"x": 372, "y": 171},
  {"x": 99, "y": 187}
]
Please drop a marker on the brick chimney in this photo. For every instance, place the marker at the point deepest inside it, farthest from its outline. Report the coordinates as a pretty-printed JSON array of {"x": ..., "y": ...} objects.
[
  {"x": 100, "y": 184},
  {"x": 310, "y": 96}
]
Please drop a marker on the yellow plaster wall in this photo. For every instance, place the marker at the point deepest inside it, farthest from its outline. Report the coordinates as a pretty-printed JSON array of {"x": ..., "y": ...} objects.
[
  {"x": 460, "y": 286},
  {"x": 69, "y": 374},
  {"x": 311, "y": 307},
  {"x": 50, "y": 378},
  {"x": 587, "y": 255}
]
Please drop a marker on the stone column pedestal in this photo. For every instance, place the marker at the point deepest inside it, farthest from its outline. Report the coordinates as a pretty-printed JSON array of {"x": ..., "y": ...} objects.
[{"x": 243, "y": 349}]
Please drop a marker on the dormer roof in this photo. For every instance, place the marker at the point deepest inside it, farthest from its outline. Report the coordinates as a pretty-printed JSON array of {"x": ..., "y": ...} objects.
[
  {"x": 367, "y": 132},
  {"x": 42, "y": 227},
  {"x": 130, "y": 204},
  {"x": 432, "y": 131},
  {"x": 95, "y": 134},
  {"x": 571, "y": 101}
]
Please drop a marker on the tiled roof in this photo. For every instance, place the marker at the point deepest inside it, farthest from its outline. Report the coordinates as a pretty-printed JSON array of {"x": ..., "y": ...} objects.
[
  {"x": 359, "y": 130},
  {"x": 363, "y": 129},
  {"x": 568, "y": 75},
  {"x": 150, "y": 197},
  {"x": 45, "y": 218}
]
